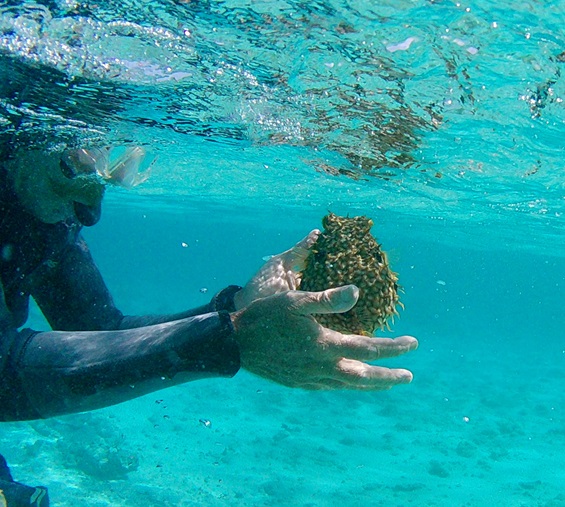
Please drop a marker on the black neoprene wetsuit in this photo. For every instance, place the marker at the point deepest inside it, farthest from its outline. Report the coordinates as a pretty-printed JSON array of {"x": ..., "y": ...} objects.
[{"x": 97, "y": 356}]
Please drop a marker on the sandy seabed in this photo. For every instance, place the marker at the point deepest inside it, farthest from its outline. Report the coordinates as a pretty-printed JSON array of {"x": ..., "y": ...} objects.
[{"x": 473, "y": 434}]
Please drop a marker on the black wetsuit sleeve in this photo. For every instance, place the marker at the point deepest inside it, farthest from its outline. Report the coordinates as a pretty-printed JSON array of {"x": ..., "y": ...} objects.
[
  {"x": 73, "y": 296},
  {"x": 222, "y": 301},
  {"x": 8, "y": 332},
  {"x": 53, "y": 373},
  {"x": 93, "y": 362},
  {"x": 61, "y": 372}
]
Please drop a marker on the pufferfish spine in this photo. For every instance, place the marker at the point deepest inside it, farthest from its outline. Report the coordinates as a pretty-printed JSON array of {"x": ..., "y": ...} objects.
[{"x": 347, "y": 253}]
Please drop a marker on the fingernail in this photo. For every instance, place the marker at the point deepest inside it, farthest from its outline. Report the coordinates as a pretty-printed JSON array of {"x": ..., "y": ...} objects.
[
  {"x": 405, "y": 377},
  {"x": 313, "y": 237},
  {"x": 408, "y": 341}
]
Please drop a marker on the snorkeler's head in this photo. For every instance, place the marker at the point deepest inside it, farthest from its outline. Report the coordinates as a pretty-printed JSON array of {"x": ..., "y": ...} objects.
[
  {"x": 56, "y": 187},
  {"x": 45, "y": 188}
]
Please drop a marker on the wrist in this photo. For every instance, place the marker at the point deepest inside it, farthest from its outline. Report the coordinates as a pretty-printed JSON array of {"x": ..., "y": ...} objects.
[
  {"x": 241, "y": 336},
  {"x": 224, "y": 300},
  {"x": 235, "y": 322}
]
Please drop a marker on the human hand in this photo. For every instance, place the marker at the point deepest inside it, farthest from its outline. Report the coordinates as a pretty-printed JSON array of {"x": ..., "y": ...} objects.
[
  {"x": 279, "y": 274},
  {"x": 280, "y": 340}
]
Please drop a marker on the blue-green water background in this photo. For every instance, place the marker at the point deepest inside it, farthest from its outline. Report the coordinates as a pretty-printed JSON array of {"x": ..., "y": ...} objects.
[{"x": 255, "y": 143}]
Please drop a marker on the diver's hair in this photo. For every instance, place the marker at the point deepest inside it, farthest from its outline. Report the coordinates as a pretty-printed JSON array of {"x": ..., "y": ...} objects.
[{"x": 43, "y": 108}]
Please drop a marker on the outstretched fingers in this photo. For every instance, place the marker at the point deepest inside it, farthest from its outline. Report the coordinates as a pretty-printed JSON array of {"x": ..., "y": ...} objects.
[
  {"x": 365, "y": 348},
  {"x": 358, "y": 375}
]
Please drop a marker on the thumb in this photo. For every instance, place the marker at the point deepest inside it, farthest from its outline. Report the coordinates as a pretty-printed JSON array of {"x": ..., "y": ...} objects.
[
  {"x": 297, "y": 255},
  {"x": 336, "y": 300}
]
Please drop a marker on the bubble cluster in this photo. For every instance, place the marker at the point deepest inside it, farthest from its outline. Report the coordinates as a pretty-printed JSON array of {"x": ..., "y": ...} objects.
[{"x": 347, "y": 253}]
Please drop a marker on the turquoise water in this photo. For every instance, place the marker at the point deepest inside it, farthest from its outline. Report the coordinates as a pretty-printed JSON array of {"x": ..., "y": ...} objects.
[{"x": 443, "y": 121}]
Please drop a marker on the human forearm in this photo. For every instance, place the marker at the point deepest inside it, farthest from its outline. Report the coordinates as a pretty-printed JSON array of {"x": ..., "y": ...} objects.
[
  {"x": 55, "y": 373},
  {"x": 223, "y": 300}
]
